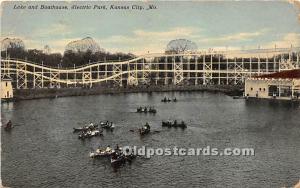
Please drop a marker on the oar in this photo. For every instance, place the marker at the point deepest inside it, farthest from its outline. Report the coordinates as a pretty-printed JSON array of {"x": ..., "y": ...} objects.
[
  {"x": 17, "y": 124},
  {"x": 142, "y": 157},
  {"x": 14, "y": 125}
]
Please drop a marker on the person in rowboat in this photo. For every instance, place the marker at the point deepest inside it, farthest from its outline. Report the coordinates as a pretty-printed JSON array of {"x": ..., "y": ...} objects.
[
  {"x": 147, "y": 126},
  {"x": 117, "y": 148},
  {"x": 108, "y": 149},
  {"x": 8, "y": 125}
]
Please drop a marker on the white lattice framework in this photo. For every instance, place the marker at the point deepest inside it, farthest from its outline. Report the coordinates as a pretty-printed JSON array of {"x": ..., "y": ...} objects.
[
  {"x": 198, "y": 68},
  {"x": 21, "y": 76},
  {"x": 38, "y": 81},
  {"x": 207, "y": 70},
  {"x": 132, "y": 75},
  {"x": 239, "y": 76},
  {"x": 147, "y": 66},
  {"x": 6, "y": 67},
  {"x": 87, "y": 78},
  {"x": 54, "y": 79},
  {"x": 117, "y": 74},
  {"x": 178, "y": 71}
]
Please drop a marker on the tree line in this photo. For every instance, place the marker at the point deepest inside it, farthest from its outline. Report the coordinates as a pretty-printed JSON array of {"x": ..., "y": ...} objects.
[{"x": 68, "y": 59}]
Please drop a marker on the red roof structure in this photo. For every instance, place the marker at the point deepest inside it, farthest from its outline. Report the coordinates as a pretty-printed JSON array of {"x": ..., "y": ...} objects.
[{"x": 289, "y": 74}]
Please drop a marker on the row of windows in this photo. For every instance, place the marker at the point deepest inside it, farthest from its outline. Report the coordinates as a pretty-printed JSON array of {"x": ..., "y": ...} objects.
[{"x": 264, "y": 89}]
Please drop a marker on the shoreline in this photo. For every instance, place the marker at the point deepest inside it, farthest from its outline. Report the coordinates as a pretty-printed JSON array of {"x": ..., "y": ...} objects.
[{"x": 29, "y": 94}]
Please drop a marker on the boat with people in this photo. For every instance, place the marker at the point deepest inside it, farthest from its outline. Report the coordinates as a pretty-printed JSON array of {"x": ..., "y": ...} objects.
[
  {"x": 167, "y": 123},
  {"x": 152, "y": 110},
  {"x": 102, "y": 152},
  {"x": 166, "y": 99},
  {"x": 119, "y": 157},
  {"x": 146, "y": 110},
  {"x": 107, "y": 125},
  {"x": 91, "y": 127},
  {"x": 89, "y": 134},
  {"x": 142, "y": 110},
  {"x": 129, "y": 156},
  {"x": 145, "y": 129},
  {"x": 175, "y": 124}
]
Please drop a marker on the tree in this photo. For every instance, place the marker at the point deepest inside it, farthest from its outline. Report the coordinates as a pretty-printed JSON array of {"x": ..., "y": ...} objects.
[
  {"x": 181, "y": 46},
  {"x": 47, "y": 49},
  {"x": 80, "y": 53},
  {"x": 12, "y": 43}
]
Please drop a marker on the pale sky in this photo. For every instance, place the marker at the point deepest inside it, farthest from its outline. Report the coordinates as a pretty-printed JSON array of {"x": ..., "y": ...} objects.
[{"x": 235, "y": 24}]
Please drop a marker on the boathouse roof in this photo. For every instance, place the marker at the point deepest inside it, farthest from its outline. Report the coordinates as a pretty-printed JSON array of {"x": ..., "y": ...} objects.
[{"x": 289, "y": 74}]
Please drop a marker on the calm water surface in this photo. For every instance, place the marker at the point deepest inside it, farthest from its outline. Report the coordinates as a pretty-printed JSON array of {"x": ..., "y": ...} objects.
[{"x": 43, "y": 151}]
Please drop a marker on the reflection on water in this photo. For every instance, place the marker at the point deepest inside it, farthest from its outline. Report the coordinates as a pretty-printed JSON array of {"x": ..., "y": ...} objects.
[{"x": 43, "y": 151}]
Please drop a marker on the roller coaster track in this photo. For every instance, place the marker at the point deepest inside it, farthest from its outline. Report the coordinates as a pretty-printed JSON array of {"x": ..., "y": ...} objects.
[{"x": 222, "y": 67}]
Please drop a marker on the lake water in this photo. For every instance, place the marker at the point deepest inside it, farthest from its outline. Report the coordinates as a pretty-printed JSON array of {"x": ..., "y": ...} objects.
[{"x": 43, "y": 151}]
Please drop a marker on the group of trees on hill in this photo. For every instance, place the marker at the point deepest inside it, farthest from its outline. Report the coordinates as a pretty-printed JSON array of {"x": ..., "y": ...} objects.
[
  {"x": 68, "y": 59},
  {"x": 80, "y": 52},
  {"x": 181, "y": 46},
  {"x": 77, "y": 53}
]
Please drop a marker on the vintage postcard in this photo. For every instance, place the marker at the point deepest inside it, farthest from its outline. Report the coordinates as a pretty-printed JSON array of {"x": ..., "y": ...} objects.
[{"x": 150, "y": 94}]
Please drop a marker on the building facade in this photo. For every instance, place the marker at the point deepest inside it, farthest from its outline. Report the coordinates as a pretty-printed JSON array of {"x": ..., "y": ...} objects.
[
  {"x": 283, "y": 85},
  {"x": 6, "y": 89}
]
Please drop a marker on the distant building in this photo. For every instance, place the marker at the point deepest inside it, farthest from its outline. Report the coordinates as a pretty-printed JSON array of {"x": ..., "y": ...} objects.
[
  {"x": 6, "y": 89},
  {"x": 281, "y": 85}
]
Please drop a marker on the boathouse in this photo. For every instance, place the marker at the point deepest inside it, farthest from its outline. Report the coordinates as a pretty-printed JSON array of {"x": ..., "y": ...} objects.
[
  {"x": 280, "y": 85},
  {"x": 6, "y": 89}
]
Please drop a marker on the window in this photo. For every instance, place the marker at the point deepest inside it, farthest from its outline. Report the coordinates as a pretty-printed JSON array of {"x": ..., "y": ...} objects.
[
  {"x": 251, "y": 88},
  {"x": 6, "y": 84},
  {"x": 285, "y": 91},
  {"x": 264, "y": 89},
  {"x": 259, "y": 89},
  {"x": 273, "y": 91}
]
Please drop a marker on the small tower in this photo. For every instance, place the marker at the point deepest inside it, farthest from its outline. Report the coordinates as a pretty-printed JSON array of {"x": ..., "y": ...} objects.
[{"x": 6, "y": 89}]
